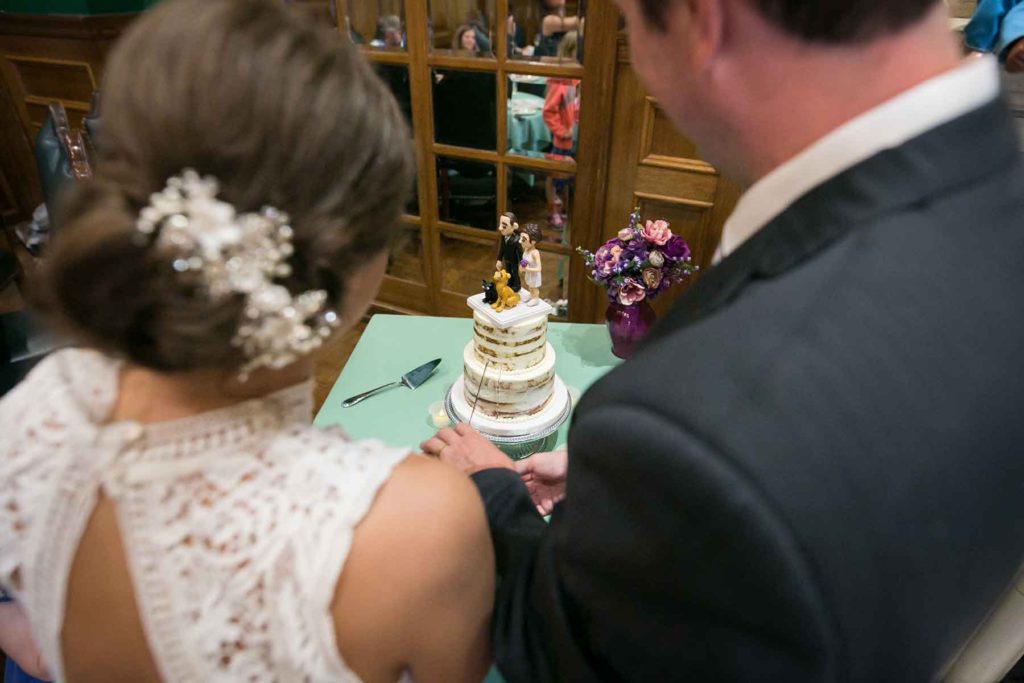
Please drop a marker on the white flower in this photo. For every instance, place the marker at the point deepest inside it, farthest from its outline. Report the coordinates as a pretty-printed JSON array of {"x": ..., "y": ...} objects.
[{"x": 657, "y": 259}]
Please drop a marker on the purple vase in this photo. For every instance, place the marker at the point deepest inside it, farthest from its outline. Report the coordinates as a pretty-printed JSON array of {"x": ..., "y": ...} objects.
[{"x": 627, "y": 325}]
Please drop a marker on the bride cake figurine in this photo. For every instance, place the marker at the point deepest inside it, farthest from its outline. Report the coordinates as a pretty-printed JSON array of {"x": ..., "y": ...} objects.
[{"x": 530, "y": 266}]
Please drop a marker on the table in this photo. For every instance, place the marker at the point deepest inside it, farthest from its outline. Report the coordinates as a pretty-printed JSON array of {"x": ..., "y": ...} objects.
[
  {"x": 392, "y": 345},
  {"x": 528, "y": 132}
]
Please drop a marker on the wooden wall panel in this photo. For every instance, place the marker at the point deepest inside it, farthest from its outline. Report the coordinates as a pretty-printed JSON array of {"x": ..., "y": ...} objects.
[{"x": 653, "y": 166}]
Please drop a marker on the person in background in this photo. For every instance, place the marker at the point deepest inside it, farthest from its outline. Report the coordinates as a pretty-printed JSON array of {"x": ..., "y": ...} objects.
[
  {"x": 810, "y": 471},
  {"x": 561, "y": 115},
  {"x": 353, "y": 34},
  {"x": 516, "y": 35},
  {"x": 389, "y": 32},
  {"x": 478, "y": 20},
  {"x": 167, "y": 510},
  {"x": 465, "y": 39},
  {"x": 997, "y": 26},
  {"x": 24, "y": 662},
  {"x": 553, "y": 27}
]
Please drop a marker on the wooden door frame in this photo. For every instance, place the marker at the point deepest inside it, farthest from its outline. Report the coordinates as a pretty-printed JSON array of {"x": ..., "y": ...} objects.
[{"x": 590, "y": 167}]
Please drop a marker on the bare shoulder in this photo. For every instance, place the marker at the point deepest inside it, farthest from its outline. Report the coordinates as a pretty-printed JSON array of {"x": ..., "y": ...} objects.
[{"x": 423, "y": 547}]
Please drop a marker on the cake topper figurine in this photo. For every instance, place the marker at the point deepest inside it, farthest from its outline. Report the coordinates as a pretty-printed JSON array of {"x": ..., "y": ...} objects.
[
  {"x": 507, "y": 298},
  {"x": 510, "y": 252},
  {"x": 530, "y": 266},
  {"x": 490, "y": 293}
]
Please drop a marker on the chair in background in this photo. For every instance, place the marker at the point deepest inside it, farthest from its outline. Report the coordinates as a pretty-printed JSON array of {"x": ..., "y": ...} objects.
[{"x": 91, "y": 125}]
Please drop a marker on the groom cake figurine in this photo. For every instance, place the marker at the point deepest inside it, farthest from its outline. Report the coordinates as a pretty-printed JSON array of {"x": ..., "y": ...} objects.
[{"x": 510, "y": 251}]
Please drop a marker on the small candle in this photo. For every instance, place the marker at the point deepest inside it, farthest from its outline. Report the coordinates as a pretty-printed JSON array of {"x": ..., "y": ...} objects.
[{"x": 438, "y": 415}]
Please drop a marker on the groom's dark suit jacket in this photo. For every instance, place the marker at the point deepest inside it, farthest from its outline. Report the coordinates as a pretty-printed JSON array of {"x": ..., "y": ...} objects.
[{"x": 814, "y": 469}]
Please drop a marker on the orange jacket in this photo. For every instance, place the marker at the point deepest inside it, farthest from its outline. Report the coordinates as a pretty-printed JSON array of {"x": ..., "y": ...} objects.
[{"x": 562, "y": 110}]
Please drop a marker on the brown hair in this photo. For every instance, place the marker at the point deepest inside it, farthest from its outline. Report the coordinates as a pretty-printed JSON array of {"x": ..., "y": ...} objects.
[
  {"x": 461, "y": 31},
  {"x": 282, "y": 113},
  {"x": 825, "y": 21},
  {"x": 533, "y": 231}
]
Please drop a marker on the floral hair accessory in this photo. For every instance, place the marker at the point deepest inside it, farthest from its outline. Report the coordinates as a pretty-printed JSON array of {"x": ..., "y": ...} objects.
[{"x": 238, "y": 254}]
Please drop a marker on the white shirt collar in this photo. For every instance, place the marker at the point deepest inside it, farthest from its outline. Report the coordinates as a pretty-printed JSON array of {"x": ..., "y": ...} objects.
[{"x": 934, "y": 102}]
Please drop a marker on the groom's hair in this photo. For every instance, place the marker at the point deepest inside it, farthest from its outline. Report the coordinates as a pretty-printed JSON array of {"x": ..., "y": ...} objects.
[{"x": 823, "y": 21}]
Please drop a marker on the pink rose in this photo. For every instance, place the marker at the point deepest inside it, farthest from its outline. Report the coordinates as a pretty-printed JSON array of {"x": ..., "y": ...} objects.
[
  {"x": 626, "y": 234},
  {"x": 631, "y": 292},
  {"x": 656, "y": 232},
  {"x": 652, "y": 278}
]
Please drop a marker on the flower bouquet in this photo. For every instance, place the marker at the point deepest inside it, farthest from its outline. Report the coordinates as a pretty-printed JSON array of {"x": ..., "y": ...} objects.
[{"x": 635, "y": 266}]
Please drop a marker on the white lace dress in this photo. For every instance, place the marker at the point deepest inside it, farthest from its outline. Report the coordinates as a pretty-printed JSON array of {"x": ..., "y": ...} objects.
[{"x": 236, "y": 523}]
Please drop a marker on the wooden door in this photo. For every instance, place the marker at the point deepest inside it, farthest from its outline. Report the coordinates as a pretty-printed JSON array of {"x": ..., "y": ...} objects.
[
  {"x": 652, "y": 166},
  {"x": 483, "y": 146}
]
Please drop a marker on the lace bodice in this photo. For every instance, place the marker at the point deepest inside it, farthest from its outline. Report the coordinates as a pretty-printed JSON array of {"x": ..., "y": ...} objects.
[{"x": 236, "y": 523}]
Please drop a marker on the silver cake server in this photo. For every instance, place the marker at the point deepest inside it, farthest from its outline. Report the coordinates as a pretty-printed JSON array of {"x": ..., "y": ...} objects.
[{"x": 411, "y": 379}]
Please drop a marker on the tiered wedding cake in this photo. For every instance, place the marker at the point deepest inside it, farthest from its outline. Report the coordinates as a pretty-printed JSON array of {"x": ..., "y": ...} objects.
[{"x": 509, "y": 372}]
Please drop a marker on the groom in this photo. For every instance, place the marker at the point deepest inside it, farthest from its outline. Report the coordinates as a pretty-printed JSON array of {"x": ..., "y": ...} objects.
[{"x": 812, "y": 471}]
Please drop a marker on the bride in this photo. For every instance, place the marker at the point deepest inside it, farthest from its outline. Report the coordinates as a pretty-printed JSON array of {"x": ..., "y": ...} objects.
[{"x": 167, "y": 511}]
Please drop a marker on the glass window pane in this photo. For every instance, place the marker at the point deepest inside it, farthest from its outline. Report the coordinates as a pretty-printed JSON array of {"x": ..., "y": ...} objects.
[
  {"x": 548, "y": 31},
  {"x": 459, "y": 29},
  {"x": 543, "y": 115},
  {"x": 467, "y": 193},
  {"x": 544, "y": 198},
  {"x": 465, "y": 109},
  {"x": 406, "y": 259},
  {"x": 378, "y": 25},
  {"x": 396, "y": 77},
  {"x": 465, "y": 264}
]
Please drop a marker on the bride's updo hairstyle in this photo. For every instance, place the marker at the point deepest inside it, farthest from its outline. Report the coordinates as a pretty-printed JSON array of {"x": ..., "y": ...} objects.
[{"x": 282, "y": 113}]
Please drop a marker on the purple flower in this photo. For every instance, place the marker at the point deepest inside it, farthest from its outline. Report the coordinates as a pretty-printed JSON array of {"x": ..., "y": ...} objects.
[
  {"x": 637, "y": 249},
  {"x": 677, "y": 249},
  {"x": 607, "y": 258},
  {"x": 631, "y": 292},
  {"x": 524, "y": 263}
]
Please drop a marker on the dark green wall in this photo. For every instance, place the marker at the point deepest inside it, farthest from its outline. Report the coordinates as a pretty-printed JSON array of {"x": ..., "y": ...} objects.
[{"x": 74, "y": 6}]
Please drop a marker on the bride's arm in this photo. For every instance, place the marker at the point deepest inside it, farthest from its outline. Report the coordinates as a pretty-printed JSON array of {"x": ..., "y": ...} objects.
[{"x": 420, "y": 577}]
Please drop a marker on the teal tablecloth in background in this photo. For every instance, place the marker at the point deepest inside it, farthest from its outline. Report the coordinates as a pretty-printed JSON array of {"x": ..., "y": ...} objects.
[
  {"x": 528, "y": 132},
  {"x": 394, "y": 344}
]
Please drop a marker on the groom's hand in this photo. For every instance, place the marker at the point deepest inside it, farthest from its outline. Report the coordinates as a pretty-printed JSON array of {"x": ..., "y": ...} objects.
[
  {"x": 544, "y": 476},
  {"x": 466, "y": 449}
]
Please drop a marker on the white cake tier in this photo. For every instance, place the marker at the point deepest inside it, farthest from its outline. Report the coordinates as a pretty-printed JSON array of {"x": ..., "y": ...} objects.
[
  {"x": 516, "y": 347},
  {"x": 541, "y": 424},
  {"x": 509, "y": 394}
]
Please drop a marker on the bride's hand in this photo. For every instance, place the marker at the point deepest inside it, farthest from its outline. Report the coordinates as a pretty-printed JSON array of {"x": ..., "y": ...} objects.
[
  {"x": 544, "y": 475},
  {"x": 466, "y": 449}
]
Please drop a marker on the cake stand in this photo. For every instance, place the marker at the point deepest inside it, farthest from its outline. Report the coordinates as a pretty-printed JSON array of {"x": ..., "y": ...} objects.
[{"x": 518, "y": 438}]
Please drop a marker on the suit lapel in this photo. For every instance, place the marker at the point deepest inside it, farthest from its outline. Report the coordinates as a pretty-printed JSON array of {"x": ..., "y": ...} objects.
[{"x": 941, "y": 160}]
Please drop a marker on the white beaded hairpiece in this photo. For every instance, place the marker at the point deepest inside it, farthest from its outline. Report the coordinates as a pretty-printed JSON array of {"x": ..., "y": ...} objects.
[{"x": 230, "y": 253}]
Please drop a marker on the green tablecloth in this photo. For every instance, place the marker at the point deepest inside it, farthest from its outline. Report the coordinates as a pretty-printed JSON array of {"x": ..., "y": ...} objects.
[{"x": 394, "y": 344}]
